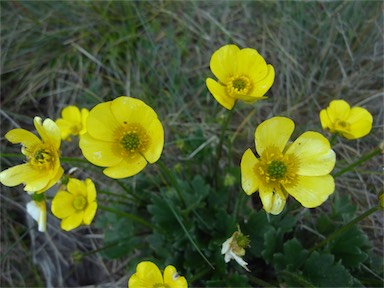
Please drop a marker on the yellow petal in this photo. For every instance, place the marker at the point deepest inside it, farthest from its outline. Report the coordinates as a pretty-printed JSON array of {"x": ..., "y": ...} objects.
[
  {"x": 24, "y": 173},
  {"x": 62, "y": 205},
  {"x": 261, "y": 87},
  {"x": 126, "y": 168},
  {"x": 314, "y": 154},
  {"x": 48, "y": 131},
  {"x": 338, "y": 110},
  {"x": 53, "y": 179},
  {"x": 251, "y": 64},
  {"x": 76, "y": 187},
  {"x": 98, "y": 152},
  {"x": 91, "y": 190},
  {"x": 147, "y": 275},
  {"x": 73, "y": 221},
  {"x": 101, "y": 123},
  {"x": 224, "y": 62},
  {"x": 131, "y": 110},
  {"x": 172, "y": 278},
  {"x": 324, "y": 119},
  {"x": 274, "y": 132},
  {"x": 219, "y": 92},
  {"x": 156, "y": 132},
  {"x": 360, "y": 121},
  {"x": 65, "y": 128},
  {"x": 249, "y": 179},
  {"x": 71, "y": 114},
  {"x": 84, "y": 117},
  {"x": 25, "y": 137},
  {"x": 273, "y": 202},
  {"x": 90, "y": 213},
  {"x": 312, "y": 191}
]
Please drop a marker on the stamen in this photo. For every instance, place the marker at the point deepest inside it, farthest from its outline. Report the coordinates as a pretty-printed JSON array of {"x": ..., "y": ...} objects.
[
  {"x": 277, "y": 169},
  {"x": 239, "y": 85}
]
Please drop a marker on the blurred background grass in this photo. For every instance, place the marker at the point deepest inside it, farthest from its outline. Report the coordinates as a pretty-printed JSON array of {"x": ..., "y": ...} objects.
[{"x": 58, "y": 53}]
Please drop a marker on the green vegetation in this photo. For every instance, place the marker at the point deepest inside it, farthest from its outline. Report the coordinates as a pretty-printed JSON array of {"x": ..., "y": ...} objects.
[{"x": 180, "y": 210}]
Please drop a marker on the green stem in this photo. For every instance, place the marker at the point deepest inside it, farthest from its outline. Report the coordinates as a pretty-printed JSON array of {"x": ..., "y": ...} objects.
[
  {"x": 129, "y": 216},
  {"x": 220, "y": 146},
  {"x": 358, "y": 162},
  {"x": 333, "y": 139},
  {"x": 344, "y": 228}
]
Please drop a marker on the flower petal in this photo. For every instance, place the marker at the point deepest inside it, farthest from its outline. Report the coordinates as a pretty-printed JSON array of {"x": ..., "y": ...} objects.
[
  {"x": 98, "y": 152},
  {"x": 91, "y": 190},
  {"x": 224, "y": 62},
  {"x": 251, "y": 64},
  {"x": 71, "y": 114},
  {"x": 28, "y": 139},
  {"x": 314, "y": 154},
  {"x": 274, "y": 132},
  {"x": 172, "y": 278},
  {"x": 72, "y": 221},
  {"x": 324, "y": 119},
  {"x": 131, "y": 110},
  {"x": 76, "y": 187},
  {"x": 338, "y": 110},
  {"x": 360, "y": 121},
  {"x": 24, "y": 173},
  {"x": 156, "y": 132},
  {"x": 62, "y": 205},
  {"x": 147, "y": 275},
  {"x": 126, "y": 168},
  {"x": 48, "y": 131},
  {"x": 240, "y": 261},
  {"x": 90, "y": 213},
  {"x": 220, "y": 94},
  {"x": 249, "y": 179},
  {"x": 312, "y": 191},
  {"x": 101, "y": 123},
  {"x": 273, "y": 201},
  {"x": 261, "y": 87}
]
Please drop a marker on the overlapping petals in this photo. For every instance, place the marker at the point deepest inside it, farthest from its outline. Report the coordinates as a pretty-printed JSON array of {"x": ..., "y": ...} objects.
[{"x": 72, "y": 122}]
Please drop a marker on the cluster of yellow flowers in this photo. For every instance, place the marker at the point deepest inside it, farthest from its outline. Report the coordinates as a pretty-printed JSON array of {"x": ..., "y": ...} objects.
[{"x": 125, "y": 134}]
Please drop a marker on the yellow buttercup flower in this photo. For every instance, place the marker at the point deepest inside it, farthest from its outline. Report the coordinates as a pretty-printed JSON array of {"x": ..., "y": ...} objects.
[
  {"x": 300, "y": 169},
  {"x": 148, "y": 275},
  {"x": 353, "y": 123},
  {"x": 72, "y": 122},
  {"x": 122, "y": 135},
  {"x": 43, "y": 168},
  {"x": 243, "y": 75},
  {"x": 77, "y": 205}
]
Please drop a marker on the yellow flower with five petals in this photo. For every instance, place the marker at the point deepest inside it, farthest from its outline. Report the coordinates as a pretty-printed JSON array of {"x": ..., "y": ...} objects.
[
  {"x": 300, "y": 169},
  {"x": 76, "y": 205},
  {"x": 351, "y": 123},
  {"x": 72, "y": 122},
  {"x": 43, "y": 168},
  {"x": 242, "y": 74},
  {"x": 122, "y": 135},
  {"x": 148, "y": 275}
]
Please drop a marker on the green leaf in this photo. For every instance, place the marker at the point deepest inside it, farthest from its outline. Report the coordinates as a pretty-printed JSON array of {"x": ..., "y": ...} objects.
[
  {"x": 322, "y": 271},
  {"x": 293, "y": 256}
]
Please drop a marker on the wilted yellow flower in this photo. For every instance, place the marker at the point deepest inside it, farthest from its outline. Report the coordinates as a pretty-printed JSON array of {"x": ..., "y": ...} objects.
[
  {"x": 353, "y": 123},
  {"x": 243, "y": 75},
  {"x": 148, "y": 275},
  {"x": 300, "y": 169},
  {"x": 43, "y": 168},
  {"x": 38, "y": 210},
  {"x": 122, "y": 135},
  {"x": 72, "y": 122},
  {"x": 77, "y": 205}
]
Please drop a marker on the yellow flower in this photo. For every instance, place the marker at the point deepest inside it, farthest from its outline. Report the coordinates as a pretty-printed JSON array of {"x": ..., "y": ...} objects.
[
  {"x": 122, "y": 135},
  {"x": 243, "y": 75},
  {"x": 353, "y": 123},
  {"x": 38, "y": 211},
  {"x": 77, "y": 205},
  {"x": 43, "y": 168},
  {"x": 300, "y": 169},
  {"x": 148, "y": 275},
  {"x": 72, "y": 122}
]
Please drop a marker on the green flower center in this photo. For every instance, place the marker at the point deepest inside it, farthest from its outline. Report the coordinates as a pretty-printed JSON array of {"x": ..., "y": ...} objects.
[
  {"x": 239, "y": 85},
  {"x": 80, "y": 202},
  {"x": 130, "y": 141},
  {"x": 134, "y": 139},
  {"x": 277, "y": 169},
  {"x": 42, "y": 157}
]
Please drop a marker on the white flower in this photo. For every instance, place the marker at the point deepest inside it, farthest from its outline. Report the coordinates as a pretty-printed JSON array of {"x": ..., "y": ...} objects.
[
  {"x": 234, "y": 250},
  {"x": 38, "y": 211}
]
